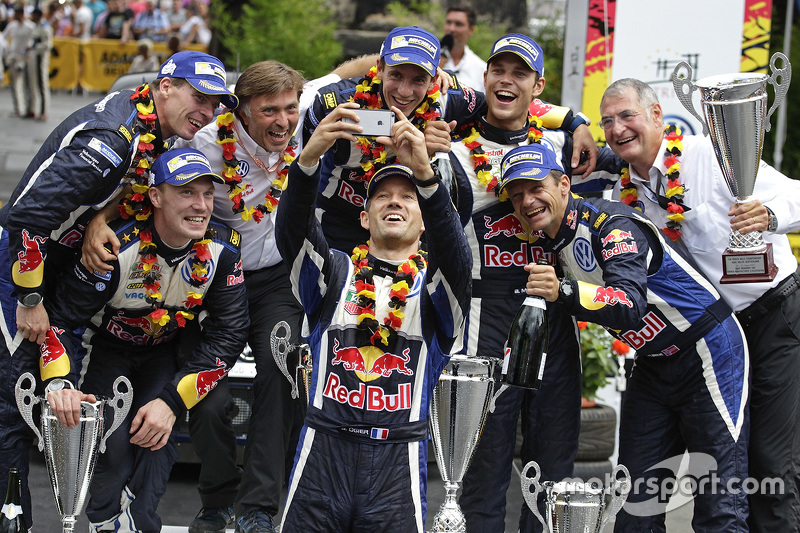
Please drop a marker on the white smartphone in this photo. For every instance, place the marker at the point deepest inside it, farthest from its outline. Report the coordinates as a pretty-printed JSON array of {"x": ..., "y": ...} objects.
[{"x": 376, "y": 122}]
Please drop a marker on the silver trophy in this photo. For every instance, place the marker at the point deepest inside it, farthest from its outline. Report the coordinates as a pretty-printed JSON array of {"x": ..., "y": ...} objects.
[
  {"x": 71, "y": 453},
  {"x": 281, "y": 348},
  {"x": 458, "y": 409},
  {"x": 735, "y": 109},
  {"x": 574, "y": 507}
]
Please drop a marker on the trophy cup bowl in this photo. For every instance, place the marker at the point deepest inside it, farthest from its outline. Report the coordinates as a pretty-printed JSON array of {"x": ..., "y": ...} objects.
[
  {"x": 735, "y": 111},
  {"x": 572, "y": 506},
  {"x": 458, "y": 409},
  {"x": 71, "y": 453}
]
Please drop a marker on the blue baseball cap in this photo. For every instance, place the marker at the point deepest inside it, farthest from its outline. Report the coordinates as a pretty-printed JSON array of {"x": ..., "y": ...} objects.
[
  {"x": 204, "y": 72},
  {"x": 523, "y": 46},
  {"x": 181, "y": 166},
  {"x": 528, "y": 162},
  {"x": 413, "y": 46},
  {"x": 385, "y": 172}
]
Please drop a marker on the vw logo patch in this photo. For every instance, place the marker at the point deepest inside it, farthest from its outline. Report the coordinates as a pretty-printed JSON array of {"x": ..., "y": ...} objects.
[
  {"x": 244, "y": 167},
  {"x": 582, "y": 249}
]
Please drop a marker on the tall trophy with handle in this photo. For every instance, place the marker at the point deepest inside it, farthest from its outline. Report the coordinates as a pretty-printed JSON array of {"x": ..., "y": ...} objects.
[
  {"x": 71, "y": 453},
  {"x": 574, "y": 507},
  {"x": 458, "y": 410},
  {"x": 735, "y": 110},
  {"x": 282, "y": 348}
]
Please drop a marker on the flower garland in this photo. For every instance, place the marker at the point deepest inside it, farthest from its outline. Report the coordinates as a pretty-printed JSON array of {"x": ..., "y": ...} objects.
[
  {"x": 480, "y": 161},
  {"x": 137, "y": 203},
  {"x": 365, "y": 291},
  {"x": 674, "y": 192},
  {"x": 200, "y": 262},
  {"x": 226, "y": 137},
  {"x": 368, "y": 96}
]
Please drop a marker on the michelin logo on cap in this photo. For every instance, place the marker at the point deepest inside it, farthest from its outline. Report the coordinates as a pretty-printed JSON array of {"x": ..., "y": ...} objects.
[
  {"x": 535, "y": 157},
  {"x": 184, "y": 159},
  {"x": 210, "y": 69},
  {"x": 401, "y": 41},
  {"x": 515, "y": 41}
]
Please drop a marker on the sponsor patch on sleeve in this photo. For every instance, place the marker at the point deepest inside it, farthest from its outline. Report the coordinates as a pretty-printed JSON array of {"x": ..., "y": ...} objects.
[
  {"x": 329, "y": 99},
  {"x": 105, "y": 150}
]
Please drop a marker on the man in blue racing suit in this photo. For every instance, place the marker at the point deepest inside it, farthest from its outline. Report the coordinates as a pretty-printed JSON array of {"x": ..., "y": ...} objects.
[
  {"x": 689, "y": 387},
  {"x": 168, "y": 271},
  {"x": 381, "y": 325},
  {"x": 81, "y": 166}
]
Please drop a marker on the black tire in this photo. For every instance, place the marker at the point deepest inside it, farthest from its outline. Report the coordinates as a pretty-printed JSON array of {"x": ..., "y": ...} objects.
[
  {"x": 598, "y": 433},
  {"x": 592, "y": 470}
]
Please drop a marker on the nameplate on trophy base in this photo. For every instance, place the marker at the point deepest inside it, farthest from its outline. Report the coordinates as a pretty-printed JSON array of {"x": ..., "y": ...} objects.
[{"x": 748, "y": 267}]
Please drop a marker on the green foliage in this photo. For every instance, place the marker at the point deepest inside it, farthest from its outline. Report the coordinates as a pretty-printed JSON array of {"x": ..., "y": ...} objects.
[
  {"x": 301, "y": 37},
  {"x": 597, "y": 359}
]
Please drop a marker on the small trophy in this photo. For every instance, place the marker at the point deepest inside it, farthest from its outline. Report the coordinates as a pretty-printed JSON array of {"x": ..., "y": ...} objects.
[
  {"x": 71, "y": 453},
  {"x": 574, "y": 507},
  {"x": 281, "y": 348},
  {"x": 458, "y": 409},
  {"x": 735, "y": 107}
]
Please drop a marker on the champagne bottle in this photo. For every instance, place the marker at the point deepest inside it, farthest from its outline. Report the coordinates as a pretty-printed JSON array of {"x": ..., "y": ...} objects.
[
  {"x": 11, "y": 520},
  {"x": 526, "y": 348}
]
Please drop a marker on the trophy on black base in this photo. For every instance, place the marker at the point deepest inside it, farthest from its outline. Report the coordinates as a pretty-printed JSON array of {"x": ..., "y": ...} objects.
[
  {"x": 71, "y": 453},
  {"x": 735, "y": 109}
]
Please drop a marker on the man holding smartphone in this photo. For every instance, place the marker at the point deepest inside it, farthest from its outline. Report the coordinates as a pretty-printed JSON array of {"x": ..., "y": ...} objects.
[{"x": 404, "y": 77}]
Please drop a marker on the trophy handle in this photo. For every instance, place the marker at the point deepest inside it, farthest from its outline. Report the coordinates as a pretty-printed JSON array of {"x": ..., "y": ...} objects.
[
  {"x": 280, "y": 350},
  {"x": 680, "y": 84},
  {"x": 25, "y": 402},
  {"x": 120, "y": 410},
  {"x": 623, "y": 486},
  {"x": 781, "y": 87},
  {"x": 531, "y": 498},
  {"x": 495, "y": 396}
]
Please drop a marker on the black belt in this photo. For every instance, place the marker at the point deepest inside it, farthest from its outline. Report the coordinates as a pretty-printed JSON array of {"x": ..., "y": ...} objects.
[{"x": 769, "y": 301}]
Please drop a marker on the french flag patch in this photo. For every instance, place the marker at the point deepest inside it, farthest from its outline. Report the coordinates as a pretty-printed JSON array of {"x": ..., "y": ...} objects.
[{"x": 379, "y": 433}]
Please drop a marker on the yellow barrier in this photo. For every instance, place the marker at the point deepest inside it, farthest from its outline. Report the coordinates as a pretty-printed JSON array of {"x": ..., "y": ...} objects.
[{"x": 95, "y": 64}]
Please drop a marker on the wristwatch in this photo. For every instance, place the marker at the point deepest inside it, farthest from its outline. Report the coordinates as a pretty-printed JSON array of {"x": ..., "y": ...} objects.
[
  {"x": 579, "y": 119},
  {"x": 55, "y": 385},
  {"x": 773, "y": 220},
  {"x": 30, "y": 300},
  {"x": 565, "y": 290}
]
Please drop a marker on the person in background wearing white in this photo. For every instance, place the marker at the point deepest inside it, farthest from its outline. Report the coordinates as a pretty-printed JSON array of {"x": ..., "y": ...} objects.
[{"x": 463, "y": 62}]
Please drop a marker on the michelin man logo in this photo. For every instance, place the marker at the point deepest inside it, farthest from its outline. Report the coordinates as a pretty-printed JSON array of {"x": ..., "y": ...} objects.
[{"x": 169, "y": 68}]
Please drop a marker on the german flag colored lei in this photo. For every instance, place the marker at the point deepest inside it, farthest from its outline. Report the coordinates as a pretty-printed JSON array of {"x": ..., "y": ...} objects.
[
  {"x": 402, "y": 282},
  {"x": 137, "y": 203},
  {"x": 480, "y": 161},
  {"x": 200, "y": 260},
  {"x": 368, "y": 96},
  {"x": 674, "y": 191},
  {"x": 226, "y": 137}
]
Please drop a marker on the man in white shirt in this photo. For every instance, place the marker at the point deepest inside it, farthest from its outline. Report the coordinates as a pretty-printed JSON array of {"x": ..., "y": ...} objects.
[
  {"x": 467, "y": 66},
  {"x": 83, "y": 16},
  {"x": 769, "y": 312},
  {"x": 18, "y": 35}
]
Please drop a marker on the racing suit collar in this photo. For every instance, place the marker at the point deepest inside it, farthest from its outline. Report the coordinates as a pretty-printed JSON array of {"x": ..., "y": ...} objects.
[
  {"x": 501, "y": 136},
  {"x": 569, "y": 225},
  {"x": 171, "y": 256}
]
